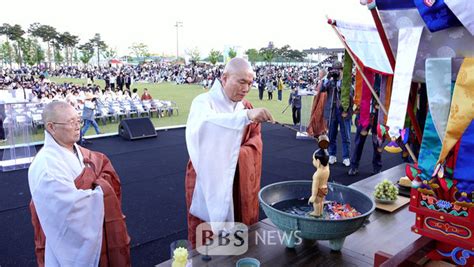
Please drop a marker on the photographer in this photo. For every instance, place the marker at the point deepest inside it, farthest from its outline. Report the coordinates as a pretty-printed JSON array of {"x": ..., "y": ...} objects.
[{"x": 337, "y": 117}]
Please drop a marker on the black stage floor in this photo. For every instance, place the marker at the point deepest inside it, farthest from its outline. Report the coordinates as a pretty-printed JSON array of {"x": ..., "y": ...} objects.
[{"x": 152, "y": 173}]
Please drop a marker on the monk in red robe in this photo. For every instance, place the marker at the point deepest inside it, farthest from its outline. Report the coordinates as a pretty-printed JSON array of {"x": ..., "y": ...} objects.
[
  {"x": 225, "y": 147},
  {"x": 76, "y": 199}
]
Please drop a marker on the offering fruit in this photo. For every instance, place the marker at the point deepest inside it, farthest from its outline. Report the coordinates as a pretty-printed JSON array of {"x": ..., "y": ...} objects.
[{"x": 386, "y": 190}]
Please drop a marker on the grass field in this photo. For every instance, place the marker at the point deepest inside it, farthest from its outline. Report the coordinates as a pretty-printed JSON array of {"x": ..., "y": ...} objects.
[{"x": 183, "y": 96}]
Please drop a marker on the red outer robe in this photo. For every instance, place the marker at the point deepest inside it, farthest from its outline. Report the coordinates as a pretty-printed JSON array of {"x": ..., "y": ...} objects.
[
  {"x": 115, "y": 240},
  {"x": 317, "y": 124},
  {"x": 246, "y": 180}
]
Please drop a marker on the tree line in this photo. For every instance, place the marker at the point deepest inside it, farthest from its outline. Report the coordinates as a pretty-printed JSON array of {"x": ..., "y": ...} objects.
[
  {"x": 23, "y": 47},
  {"x": 267, "y": 54}
]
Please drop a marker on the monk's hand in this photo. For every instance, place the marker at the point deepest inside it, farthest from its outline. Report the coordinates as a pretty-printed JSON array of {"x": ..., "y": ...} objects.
[
  {"x": 312, "y": 199},
  {"x": 260, "y": 115}
]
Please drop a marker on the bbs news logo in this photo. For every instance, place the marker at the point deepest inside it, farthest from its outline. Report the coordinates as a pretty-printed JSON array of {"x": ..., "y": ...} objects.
[
  {"x": 231, "y": 238},
  {"x": 222, "y": 238}
]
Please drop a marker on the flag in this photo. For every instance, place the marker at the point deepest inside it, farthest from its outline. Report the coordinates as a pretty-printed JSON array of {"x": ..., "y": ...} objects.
[
  {"x": 451, "y": 42},
  {"x": 365, "y": 44}
]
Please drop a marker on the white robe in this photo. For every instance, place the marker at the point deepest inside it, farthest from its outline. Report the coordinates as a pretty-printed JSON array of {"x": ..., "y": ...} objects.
[
  {"x": 213, "y": 136},
  {"x": 72, "y": 219}
]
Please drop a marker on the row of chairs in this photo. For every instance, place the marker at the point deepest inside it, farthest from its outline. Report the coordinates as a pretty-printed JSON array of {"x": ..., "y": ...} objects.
[
  {"x": 109, "y": 111},
  {"x": 117, "y": 110}
]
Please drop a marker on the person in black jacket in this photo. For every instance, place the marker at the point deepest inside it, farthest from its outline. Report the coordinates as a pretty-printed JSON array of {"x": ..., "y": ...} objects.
[
  {"x": 295, "y": 101},
  {"x": 120, "y": 81}
]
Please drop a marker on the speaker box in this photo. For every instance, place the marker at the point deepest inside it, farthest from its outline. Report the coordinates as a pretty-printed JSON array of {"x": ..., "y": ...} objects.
[{"x": 136, "y": 128}]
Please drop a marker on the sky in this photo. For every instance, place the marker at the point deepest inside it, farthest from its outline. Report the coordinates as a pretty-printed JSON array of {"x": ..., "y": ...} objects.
[{"x": 207, "y": 24}]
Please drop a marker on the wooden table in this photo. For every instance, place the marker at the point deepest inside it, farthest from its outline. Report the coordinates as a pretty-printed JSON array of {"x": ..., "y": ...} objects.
[{"x": 389, "y": 232}]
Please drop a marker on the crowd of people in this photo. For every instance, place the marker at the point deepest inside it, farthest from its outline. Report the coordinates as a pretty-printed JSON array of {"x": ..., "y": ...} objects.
[
  {"x": 34, "y": 85},
  {"x": 123, "y": 77}
]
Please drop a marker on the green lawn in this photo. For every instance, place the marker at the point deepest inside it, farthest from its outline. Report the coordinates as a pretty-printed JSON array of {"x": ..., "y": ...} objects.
[{"x": 183, "y": 95}]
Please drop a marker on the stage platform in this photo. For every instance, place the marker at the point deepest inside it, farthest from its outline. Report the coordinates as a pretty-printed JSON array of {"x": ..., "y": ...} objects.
[{"x": 152, "y": 173}]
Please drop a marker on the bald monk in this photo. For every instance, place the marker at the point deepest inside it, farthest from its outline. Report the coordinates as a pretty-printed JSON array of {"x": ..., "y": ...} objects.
[
  {"x": 76, "y": 199},
  {"x": 225, "y": 150}
]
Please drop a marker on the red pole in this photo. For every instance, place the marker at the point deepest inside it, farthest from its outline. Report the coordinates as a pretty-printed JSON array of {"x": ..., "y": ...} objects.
[{"x": 383, "y": 37}]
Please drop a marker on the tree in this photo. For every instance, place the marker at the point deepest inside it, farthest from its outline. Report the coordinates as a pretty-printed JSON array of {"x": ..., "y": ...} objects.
[
  {"x": 39, "y": 54},
  {"x": 68, "y": 41},
  {"x": 232, "y": 53},
  {"x": 58, "y": 57},
  {"x": 110, "y": 53},
  {"x": 75, "y": 57},
  {"x": 47, "y": 33},
  {"x": 268, "y": 53},
  {"x": 194, "y": 54},
  {"x": 17, "y": 55},
  {"x": 6, "y": 52},
  {"x": 98, "y": 44},
  {"x": 253, "y": 55},
  {"x": 29, "y": 47},
  {"x": 14, "y": 33},
  {"x": 87, "y": 52},
  {"x": 296, "y": 55},
  {"x": 284, "y": 52},
  {"x": 214, "y": 56},
  {"x": 140, "y": 50}
]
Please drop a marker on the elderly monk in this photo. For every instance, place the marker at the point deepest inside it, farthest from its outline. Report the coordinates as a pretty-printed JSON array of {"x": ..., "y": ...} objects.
[
  {"x": 76, "y": 199},
  {"x": 225, "y": 150}
]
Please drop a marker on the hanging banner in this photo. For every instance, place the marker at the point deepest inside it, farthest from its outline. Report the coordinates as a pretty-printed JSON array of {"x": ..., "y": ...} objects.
[
  {"x": 430, "y": 149},
  {"x": 438, "y": 85},
  {"x": 346, "y": 81},
  {"x": 364, "y": 42},
  {"x": 358, "y": 88},
  {"x": 465, "y": 159},
  {"x": 462, "y": 108},
  {"x": 364, "y": 120},
  {"x": 452, "y": 42},
  {"x": 408, "y": 41}
]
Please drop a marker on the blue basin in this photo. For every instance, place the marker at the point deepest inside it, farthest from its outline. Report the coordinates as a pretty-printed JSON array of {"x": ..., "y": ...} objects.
[{"x": 308, "y": 227}]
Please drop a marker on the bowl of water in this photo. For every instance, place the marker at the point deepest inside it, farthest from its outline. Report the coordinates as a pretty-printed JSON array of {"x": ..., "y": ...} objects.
[{"x": 286, "y": 205}]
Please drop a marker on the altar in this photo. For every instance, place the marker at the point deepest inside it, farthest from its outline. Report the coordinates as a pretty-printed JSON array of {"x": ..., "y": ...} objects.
[{"x": 387, "y": 232}]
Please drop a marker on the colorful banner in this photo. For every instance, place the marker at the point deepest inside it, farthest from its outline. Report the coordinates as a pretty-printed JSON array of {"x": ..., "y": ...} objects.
[
  {"x": 452, "y": 42},
  {"x": 465, "y": 159},
  {"x": 358, "y": 88},
  {"x": 438, "y": 87},
  {"x": 382, "y": 97},
  {"x": 430, "y": 149},
  {"x": 346, "y": 82},
  {"x": 364, "y": 120},
  {"x": 364, "y": 42},
  {"x": 462, "y": 108}
]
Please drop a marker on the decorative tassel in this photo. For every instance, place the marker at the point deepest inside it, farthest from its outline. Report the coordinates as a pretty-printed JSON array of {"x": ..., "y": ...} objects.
[{"x": 393, "y": 147}]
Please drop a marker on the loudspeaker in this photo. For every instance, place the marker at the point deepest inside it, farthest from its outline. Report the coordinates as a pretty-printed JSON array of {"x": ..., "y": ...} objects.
[{"x": 136, "y": 128}]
